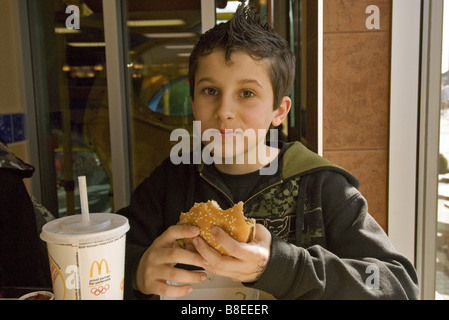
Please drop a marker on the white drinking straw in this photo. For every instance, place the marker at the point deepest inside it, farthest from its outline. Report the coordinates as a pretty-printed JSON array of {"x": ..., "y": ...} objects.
[{"x": 83, "y": 198}]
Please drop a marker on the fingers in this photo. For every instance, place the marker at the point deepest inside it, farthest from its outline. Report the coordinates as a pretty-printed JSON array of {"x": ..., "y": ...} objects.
[
  {"x": 225, "y": 240},
  {"x": 262, "y": 235},
  {"x": 165, "y": 290},
  {"x": 179, "y": 276},
  {"x": 213, "y": 259},
  {"x": 246, "y": 261},
  {"x": 156, "y": 266},
  {"x": 233, "y": 247},
  {"x": 173, "y": 256},
  {"x": 238, "y": 249},
  {"x": 173, "y": 233}
]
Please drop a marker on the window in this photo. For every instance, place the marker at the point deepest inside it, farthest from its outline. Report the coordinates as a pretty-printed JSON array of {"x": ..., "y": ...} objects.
[
  {"x": 70, "y": 77},
  {"x": 442, "y": 241},
  {"x": 433, "y": 195},
  {"x": 160, "y": 37}
]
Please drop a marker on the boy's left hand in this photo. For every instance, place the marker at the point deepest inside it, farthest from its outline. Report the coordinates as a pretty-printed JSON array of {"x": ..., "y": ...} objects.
[{"x": 246, "y": 261}]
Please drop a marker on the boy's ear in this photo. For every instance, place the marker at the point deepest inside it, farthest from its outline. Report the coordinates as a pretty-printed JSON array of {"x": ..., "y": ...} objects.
[{"x": 281, "y": 113}]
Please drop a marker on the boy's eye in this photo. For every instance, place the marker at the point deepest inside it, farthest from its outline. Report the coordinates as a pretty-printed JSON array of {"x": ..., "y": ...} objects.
[
  {"x": 210, "y": 91},
  {"x": 247, "y": 94}
]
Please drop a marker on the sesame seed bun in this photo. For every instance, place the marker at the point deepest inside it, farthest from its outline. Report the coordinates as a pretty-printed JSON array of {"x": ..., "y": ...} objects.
[{"x": 207, "y": 215}]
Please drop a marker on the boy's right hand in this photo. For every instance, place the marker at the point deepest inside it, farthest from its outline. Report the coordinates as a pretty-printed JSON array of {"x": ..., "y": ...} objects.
[{"x": 157, "y": 264}]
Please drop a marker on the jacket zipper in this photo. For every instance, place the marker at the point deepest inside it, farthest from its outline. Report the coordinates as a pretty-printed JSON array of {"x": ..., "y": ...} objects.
[
  {"x": 216, "y": 187},
  {"x": 230, "y": 200}
]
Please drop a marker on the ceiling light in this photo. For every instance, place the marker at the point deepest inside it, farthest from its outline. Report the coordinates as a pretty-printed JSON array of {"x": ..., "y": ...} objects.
[
  {"x": 63, "y": 30},
  {"x": 180, "y": 46},
  {"x": 170, "y": 35},
  {"x": 156, "y": 23},
  {"x": 86, "y": 44}
]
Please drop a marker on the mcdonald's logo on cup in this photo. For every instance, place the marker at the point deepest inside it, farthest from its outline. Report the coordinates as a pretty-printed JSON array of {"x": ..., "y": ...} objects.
[
  {"x": 99, "y": 267},
  {"x": 100, "y": 277}
]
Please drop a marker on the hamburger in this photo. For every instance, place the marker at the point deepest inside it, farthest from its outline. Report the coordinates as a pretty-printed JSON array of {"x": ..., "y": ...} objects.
[{"x": 207, "y": 215}]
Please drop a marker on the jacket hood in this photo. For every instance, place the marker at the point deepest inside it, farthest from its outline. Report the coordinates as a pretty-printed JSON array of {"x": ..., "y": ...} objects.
[{"x": 298, "y": 160}]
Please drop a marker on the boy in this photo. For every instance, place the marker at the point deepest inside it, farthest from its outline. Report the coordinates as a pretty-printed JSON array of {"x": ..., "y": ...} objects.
[{"x": 314, "y": 237}]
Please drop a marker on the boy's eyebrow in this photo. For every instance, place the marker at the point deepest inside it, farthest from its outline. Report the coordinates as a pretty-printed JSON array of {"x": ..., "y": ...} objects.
[
  {"x": 244, "y": 81},
  {"x": 251, "y": 81},
  {"x": 204, "y": 80}
]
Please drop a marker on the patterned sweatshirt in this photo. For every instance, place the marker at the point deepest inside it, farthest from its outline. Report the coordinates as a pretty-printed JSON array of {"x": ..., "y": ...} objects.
[{"x": 325, "y": 245}]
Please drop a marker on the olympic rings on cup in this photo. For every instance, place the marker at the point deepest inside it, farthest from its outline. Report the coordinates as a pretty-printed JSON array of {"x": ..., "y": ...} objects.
[{"x": 99, "y": 290}]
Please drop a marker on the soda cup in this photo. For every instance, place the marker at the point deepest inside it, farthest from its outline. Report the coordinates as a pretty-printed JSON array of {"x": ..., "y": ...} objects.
[{"x": 87, "y": 260}]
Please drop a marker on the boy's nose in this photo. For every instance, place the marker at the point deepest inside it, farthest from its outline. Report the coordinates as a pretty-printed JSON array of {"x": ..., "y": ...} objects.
[{"x": 225, "y": 110}]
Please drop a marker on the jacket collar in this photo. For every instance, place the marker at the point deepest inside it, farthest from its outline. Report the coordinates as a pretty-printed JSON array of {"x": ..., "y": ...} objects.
[
  {"x": 298, "y": 160},
  {"x": 294, "y": 160},
  {"x": 210, "y": 174}
]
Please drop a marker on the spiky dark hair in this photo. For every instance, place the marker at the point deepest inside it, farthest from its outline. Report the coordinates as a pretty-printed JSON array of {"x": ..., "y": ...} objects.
[{"x": 247, "y": 32}]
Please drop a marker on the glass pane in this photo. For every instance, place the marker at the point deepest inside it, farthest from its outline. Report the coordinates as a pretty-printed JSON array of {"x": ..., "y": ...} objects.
[
  {"x": 442, "y": 263},
  {"x": 225, "y": 10},
  {"x": 161, "y": 35},
  {"x": 303, "y": 40},
  {"x": 71, "y": 54}
]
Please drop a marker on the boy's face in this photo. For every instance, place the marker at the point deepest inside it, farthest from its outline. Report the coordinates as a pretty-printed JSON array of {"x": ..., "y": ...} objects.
[{"x": 235, "y": 95}]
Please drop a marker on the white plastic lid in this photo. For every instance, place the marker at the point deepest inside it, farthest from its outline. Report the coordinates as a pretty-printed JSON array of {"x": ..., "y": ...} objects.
[{"x": 72, "y": 230}]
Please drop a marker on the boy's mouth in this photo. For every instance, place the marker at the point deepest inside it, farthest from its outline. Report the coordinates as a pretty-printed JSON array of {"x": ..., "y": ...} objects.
[{"x": 229, "y": 133}]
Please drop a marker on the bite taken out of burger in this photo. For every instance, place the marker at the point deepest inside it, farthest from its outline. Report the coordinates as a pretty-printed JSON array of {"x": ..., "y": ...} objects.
[{"x": 208, "y": 215}]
